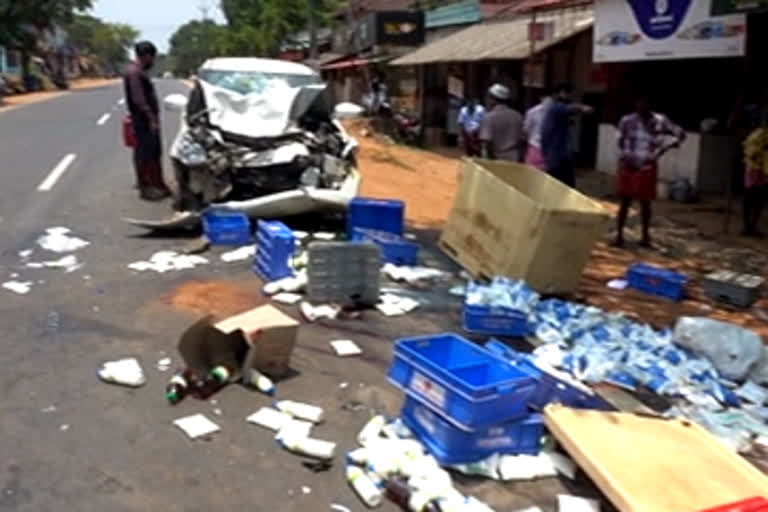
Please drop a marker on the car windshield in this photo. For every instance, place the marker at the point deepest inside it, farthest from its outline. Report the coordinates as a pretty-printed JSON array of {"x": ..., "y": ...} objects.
[{"x": 248, "y": 82}]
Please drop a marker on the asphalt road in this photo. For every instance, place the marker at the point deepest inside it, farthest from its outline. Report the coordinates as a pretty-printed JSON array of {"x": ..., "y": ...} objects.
[{"x": 71, "y": 442}]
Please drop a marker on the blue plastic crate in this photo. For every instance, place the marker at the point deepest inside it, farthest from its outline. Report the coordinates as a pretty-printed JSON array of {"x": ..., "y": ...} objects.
[
  {"x": 451, "y": 445},
  {"x": 275, "y": 247},
  {"x": 657, "y": 281},
  {"x": 549, "y": 388},
  {"x": 379, "y": 214},
  {"x": 223, "y": 227},
  {"x": 496, "y": 321},
  {"x": 470, "y": 386},
  {"x": 394, "y": 249}
]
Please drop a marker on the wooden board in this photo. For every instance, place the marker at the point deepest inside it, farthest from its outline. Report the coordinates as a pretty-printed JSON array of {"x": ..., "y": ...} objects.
[{"x": 646, "y": 464}]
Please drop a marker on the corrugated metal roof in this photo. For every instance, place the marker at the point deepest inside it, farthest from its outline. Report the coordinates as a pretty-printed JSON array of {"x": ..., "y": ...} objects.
[
  {"x": 504, "y": 40},
  {"x": 460, "y": 13}
]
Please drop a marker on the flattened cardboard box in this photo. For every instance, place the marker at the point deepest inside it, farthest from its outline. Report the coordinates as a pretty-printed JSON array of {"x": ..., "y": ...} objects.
[{"x": 262, "y": 338}]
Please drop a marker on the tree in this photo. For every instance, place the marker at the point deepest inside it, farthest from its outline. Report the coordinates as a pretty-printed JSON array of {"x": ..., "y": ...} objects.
[
  {"x": 20, "y": 19},
  {"x": 193, "y": 43},
  {"x": 107, "y": 43}
]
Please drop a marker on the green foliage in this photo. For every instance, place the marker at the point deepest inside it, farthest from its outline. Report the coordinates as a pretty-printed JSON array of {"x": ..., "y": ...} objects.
[
  {"x": 193, "y": 43},
  {"x": 107, "y": 43},
  {"x": 17, "y": 16}
]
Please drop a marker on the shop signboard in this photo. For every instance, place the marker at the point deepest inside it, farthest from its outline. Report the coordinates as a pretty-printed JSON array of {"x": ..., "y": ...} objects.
[
  {"x": 396, "y": 28},
  {"x": 632, "y": 30},
  {"x": 724, "y": 7}
]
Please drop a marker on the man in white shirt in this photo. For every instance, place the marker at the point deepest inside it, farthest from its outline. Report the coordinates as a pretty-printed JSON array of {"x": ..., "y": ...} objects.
[
  {"x": 470, "y": 119},
  {"x": 501, "y": 132}
]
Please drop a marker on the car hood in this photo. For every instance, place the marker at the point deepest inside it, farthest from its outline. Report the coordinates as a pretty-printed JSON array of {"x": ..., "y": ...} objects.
[{"x": 271, "y": 113}]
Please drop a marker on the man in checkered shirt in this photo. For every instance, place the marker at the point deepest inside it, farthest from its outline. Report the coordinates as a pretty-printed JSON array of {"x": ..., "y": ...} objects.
[{"x": 644, "y": 136}]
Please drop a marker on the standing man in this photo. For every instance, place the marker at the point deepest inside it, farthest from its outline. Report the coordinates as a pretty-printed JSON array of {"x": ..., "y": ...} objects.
[
  {"x": 643, "y": 139},
  {"x": 470, "y": 119},
  {"x": 144, "y": 109},
  {"x": 501, "y": 132},
  {"x": 532, "y": 125},
  {"x": 556, "y": 134}
]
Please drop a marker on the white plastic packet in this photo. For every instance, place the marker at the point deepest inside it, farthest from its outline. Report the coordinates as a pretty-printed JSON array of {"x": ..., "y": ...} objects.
[
  {"x": 196, "y": 426},
  {"x": 270, "y": 418},
  {"x": 126, "y": 372}
]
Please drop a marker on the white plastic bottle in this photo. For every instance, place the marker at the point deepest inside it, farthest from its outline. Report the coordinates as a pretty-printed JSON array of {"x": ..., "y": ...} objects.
[
  {"x": 371, "y": 430},
  {"x": 260, "y": 381},
  {"x": 300, "y": 410},
  {"x": 317, "y": 448},
  {"x": 364, "y": 487}
]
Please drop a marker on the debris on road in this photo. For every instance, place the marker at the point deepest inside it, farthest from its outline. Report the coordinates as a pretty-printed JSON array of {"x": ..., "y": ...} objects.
[
  {"x": 300, "y": 410},
  {"x": 287, "y": 298},
  {"x": 18, "y": 287},
  {"x": 126, "y": 372},
  {"x": 292, "y": 284},
  {"x": 270, "y": 418},
  {"x": 313, "y": 313},
  {"x": 246, "y": 252},
  {"x": 166, "y": 261},
  {"x": 64, "y": 427},
  {"x": 68, "y": 263},
  {"x": 412, "y": 275},
  {"x": 164, "y": 364},
  {"x": 568, "y": 503},
  {"x": 339, "y": 508},
  {"x": 315, "y": 448},
  {"x": 258, "y": 380},
  {"x": 395, "y": 305},
  {"x": 26, "y": 254},
  {"x": 346, "y": 348},
  {"x": 57, "y": 240},
  {"x": 196, "y": 426}
]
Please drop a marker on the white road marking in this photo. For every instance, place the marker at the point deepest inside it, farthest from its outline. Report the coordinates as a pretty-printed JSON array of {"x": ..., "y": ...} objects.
[
  {"x": 56, "y": 173},
  {"x": 103, "y": 119}
]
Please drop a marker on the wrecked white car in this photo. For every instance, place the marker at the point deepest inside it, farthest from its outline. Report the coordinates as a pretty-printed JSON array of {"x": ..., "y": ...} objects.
[{"x": 258, "y": 136}]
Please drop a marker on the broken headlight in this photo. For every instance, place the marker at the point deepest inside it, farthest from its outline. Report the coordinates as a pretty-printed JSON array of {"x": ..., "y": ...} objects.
[{"x": 192, "y": 153}]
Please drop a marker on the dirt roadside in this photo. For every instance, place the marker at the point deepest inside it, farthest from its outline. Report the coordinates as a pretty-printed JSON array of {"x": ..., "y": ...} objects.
[
  {"x": 689, "y": 237},
  {"x": 17, "y": 100}
]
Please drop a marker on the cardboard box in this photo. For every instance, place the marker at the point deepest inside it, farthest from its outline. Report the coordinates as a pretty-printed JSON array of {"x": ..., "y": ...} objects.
[
  {"x": 262, "y": 338},
  {"x": 270, "y": 335},
  {"x": 514, "y": 220}
]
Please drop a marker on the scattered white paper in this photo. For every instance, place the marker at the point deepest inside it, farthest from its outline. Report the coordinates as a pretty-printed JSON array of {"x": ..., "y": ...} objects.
[
  {"x": 324, "y": 236},
  {"x": 345, "y": 348},
  {"x": 64, "y": 427},
  {"x": 294, "y": 429},
  {"x": 525, "y": 467},
  {"x": 165, "y": 261},
  {"x": 270, "y": 418},
  {"x": 306, "y": 490},
  {"x": 395, "y": 305},
  {"x": 164, "y": 364},
  {"x": 753, "y": 393},
  {"x": 25, "y": 254},
  {"x": 126, "y": 372},
  {"x": 292, "y": 284},
  {"x": 339, "y": 508},
  {"x": 287, "y": 298},
  {"x": 300, "y": 235},
  {"x": 57, "y": 240},
  {"x": 567, "y": 503},
  {"x": 50, "y": 408},
  {"x": 20, "y": 287},
  {"x": 411, "y": 275},
  {"x": 196, "y": 426},
  {"x": 312, "y": 313},
  {"x": 344, "y": 385},
  {"x": 68, "y": 263},
  {"x": 242, "y": 253},
  {"x": 617, "y": 284}
]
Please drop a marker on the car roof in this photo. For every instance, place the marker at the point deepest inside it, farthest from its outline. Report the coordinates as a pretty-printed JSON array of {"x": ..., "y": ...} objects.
[{"x": 256, "y": 65}]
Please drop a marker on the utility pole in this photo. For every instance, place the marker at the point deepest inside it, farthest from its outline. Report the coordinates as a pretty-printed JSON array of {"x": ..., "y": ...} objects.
[{"x": 312, "y": 29}]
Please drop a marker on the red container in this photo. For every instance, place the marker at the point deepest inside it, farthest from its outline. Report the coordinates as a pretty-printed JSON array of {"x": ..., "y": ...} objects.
[
  {"x": 129, "y": 138},
  {"x": 756, "y": 504}
]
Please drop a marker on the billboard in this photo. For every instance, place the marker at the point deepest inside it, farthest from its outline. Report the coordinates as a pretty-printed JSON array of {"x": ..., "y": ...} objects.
[
  {"x": 632, "y": 30},
  {"x": 396, "y": 28},
  {"x": 721, "y": 7}
]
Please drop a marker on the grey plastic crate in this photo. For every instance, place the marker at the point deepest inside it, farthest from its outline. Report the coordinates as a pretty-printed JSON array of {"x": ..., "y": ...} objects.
[
  {"x": 740, "y": 290},
  {"x": 344, "y": 273}
]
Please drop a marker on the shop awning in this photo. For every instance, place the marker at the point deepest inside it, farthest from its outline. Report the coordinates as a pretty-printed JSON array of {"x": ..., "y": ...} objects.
[
  {"x": 500, "y": 40},
  {"x": 354, "y": 62}
]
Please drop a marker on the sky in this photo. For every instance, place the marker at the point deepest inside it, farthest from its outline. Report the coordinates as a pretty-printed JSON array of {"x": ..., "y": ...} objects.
[{"x": 156, "y": 19}]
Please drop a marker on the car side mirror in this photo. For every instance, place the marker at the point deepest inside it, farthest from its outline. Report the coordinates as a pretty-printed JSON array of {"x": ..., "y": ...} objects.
[{"x": 175, "y": 102}]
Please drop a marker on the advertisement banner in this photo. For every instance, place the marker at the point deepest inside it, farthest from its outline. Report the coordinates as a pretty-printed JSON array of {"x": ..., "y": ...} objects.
[
  {"x": 631, "y": 30},
  {"x": 721, "y": 7}
]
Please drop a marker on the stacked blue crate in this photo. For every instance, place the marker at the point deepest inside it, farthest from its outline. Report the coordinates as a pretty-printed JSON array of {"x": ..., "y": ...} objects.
[
  {"x": 657, "y": 281},
  {"x": 464, "y": 402},
  {"x": 377, "y": 214},
  {"x": 275, "y": 246},
  {"x": 394, "y": 248}
]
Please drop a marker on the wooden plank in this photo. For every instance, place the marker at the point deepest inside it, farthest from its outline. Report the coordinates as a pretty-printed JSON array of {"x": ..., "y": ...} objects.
[{"x": 646, "y": 464}]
